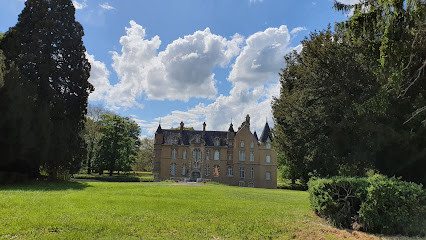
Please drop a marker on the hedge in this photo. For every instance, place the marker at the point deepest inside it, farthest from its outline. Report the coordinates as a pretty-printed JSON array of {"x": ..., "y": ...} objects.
[{"x": 377, "y": 204}]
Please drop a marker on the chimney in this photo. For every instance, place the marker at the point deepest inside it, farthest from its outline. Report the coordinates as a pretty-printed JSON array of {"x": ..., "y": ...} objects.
[
  {"x": 181, "y": 127},
  {"x": 248, "y": 120},
  {"x": 204, "y": 127}
]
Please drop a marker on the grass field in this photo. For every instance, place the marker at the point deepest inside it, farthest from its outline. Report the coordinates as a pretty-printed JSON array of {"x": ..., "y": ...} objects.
[{"x": 103, "y": 210}]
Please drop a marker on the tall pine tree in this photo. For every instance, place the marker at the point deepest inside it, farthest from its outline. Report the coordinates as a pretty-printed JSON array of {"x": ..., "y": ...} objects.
[{"x": 47, "y": 49}]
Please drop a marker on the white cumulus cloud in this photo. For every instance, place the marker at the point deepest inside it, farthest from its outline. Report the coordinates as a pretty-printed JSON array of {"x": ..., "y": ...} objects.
[
  {"x": 261, "y": 58},
  {"x": 99, "y": 75},
  {"x": 182, "y": 71}
]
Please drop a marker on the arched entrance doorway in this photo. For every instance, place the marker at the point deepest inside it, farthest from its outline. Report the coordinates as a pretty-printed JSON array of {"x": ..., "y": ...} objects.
[{"x": 194, "y": 175}]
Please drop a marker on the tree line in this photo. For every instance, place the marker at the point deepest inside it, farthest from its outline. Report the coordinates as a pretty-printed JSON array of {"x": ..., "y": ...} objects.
[
  {"x": 113, "y": 143},
  {"x": 353, "y": 99}
]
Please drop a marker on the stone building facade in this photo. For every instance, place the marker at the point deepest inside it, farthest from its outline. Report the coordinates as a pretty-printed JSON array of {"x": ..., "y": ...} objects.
[{"x": 234, "y": 158}]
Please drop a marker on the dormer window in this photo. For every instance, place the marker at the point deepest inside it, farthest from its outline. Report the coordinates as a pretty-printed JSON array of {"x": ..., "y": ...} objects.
[
  {"x": 217, "y": 142},
  {"x": 175, "y": 140},
  {"x": 252, "y": 144},
  {"x": 268, "y": 145},
  {"x": 242, "y": 144},
  {"x": 197, "y": 139}
]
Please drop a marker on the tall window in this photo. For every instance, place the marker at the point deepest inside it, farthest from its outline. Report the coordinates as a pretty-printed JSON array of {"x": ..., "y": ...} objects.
[
  {"x": 207, "y": 169},
  {"x": 230, "y": 172},
  {"x": 196, "y": 155},
  {"x": 208, "y": 155},
  {"x": 184, "y": 154},
  {"x": 175, "y": 140},
  {"x": 229, "y": 156},
  {"x": 252, "y": 173},
  {"x": 268, "y": 144},
  {"x": 252, "y": 144},
  {"x": 174, "y": 154},
  {"x": 183, "y": 170},
  {"x": 216, "y": 155},
  {"x": 242, "y": 173},
  {"x": 197, "y": 139},
  {"x": 173, "y": 169},
  {"x": 268, "y": 175},
  {"x": 268, "y": 159},
  {"x": 242, "y": 144},
  {"x": 251, "y": 156},
  {"x": 217, "y": 142},
  {"x": 242, "y": 156},
  {"x": 216, "y": 171}
]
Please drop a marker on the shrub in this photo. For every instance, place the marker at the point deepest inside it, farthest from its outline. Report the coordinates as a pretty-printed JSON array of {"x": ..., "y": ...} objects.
[
  {"x": 393, "y": 206},
  {"x": 337, "y": 199}
]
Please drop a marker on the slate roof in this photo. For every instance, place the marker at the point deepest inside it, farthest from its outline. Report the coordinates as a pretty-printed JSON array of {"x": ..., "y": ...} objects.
[
  {"x": 265, "y": 133},
  {"x": 187, "y": 135}
]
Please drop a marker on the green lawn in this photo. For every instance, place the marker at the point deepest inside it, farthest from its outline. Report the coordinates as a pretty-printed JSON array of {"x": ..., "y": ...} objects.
[{"x": 102, "y": 210}]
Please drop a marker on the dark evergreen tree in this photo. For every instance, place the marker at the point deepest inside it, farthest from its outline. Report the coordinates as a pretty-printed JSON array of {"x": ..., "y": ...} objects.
[{"x": 46, "y": 47}]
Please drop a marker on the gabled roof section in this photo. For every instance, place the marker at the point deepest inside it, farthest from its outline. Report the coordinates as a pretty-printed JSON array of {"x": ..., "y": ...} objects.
[
  {"x": 255, "y": 136},
  {"x": 265, "y": 133}
]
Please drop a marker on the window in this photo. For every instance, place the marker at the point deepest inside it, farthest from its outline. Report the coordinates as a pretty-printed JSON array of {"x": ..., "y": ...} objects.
[
  {"x": 216, "y": 155},
  {"x": 207, "y": 169},
  {"x": 268, "y": 159},
  {"x": 208, "y": 155},
  {"x": 241, "y": 183},
  {"x": 252, "y": 173},
  {"x": 229, "y": 156},
  {"x": 230, "y": 172},
  {"x": 217, "y": 142},
  {"x": 174, "y": 154},
  {"x": 268, "y": 145},
  {"x": 184, "y": 154},
  {"x": 250, "y": 184},
  {"x": 197, "y": 139},
  {"x": 251, "y": 156},
  {"x": 196, "y": 155},
  {"x": 175, "y": 140},
  {"x": 242, "y": 173},
  {"x": 242, "y": 144},
  {"x": 173, "y": 169},
  {"x": 216, "y": 171},
  {"x": 268, "y": 175},
  {"x": 183, "y": 170},
  {"x": 242, "y": 156},
  {"x": 252, "y": 144}
]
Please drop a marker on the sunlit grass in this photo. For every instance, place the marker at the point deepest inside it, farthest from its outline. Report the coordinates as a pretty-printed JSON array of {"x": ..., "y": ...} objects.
[{"x": 104, "y": 210}]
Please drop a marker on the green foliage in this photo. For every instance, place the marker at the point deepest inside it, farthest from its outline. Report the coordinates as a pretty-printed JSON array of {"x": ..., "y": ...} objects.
[
  {"x": 337, "y": 199},
  {"x": 394, "y": 207},
  {"x": 145, "y": 156},
  {"x": 92, "y": 134},
  {"x": 44, "y": 97},
  {"x": 184, "y": 128},
  {"x": 376, "y": 204},
  {"x": 129, "y": 177},
  {"x": 119, "y": 143},
  {"x": 353, "y": 99}
]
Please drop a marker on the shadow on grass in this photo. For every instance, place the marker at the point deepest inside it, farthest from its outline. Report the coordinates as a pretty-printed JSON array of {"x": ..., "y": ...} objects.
[{"x": 45, "y": 186}]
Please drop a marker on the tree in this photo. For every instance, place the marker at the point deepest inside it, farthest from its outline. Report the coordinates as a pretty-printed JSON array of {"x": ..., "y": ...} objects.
[
  {"x": 92, "y": 133},
  {"x": 315, "y": 114},
  {"x": 46, "y": 46},
  {"x": 145, "y": 155},
  {"x": 343, "y": 106},
  {"x": 118, "y": 145}
]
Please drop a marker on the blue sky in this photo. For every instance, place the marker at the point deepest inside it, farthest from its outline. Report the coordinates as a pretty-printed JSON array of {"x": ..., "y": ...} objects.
[{"x": 190, "y": 60}]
